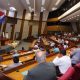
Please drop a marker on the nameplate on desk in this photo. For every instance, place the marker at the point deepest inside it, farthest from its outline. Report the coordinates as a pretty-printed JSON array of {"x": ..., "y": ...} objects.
[{"x": 29, "y": 52}]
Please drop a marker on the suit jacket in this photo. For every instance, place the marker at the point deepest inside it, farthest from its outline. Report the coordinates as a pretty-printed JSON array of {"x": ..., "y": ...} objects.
[{"x": 43, "y": 71}]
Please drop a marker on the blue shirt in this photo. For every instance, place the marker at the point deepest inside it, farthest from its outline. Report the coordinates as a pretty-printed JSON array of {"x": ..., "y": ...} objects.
[{"x": 56, "y": 50}]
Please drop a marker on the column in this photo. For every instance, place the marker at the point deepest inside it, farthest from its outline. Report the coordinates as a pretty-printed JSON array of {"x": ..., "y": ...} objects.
[
  {"x": 40, "y": 23},
  {"x": 22, "y": 24}
]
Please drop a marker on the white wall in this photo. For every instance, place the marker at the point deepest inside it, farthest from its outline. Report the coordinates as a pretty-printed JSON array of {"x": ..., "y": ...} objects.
[
  {"x": 8, "y": 29},
  {"x": 25, "y": 30},
  {"x": 35, "y": 28}
]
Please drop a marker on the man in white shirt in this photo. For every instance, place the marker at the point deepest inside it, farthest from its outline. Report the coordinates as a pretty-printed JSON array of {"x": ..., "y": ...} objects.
[{"x": 62, "y": 61}]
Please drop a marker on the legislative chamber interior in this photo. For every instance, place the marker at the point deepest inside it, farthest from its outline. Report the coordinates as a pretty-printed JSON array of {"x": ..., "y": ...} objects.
[{"x": 39, "y": 39}]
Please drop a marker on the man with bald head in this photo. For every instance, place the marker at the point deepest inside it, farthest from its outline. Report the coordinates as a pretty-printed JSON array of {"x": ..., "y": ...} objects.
[{"x": 43, "y": 71}]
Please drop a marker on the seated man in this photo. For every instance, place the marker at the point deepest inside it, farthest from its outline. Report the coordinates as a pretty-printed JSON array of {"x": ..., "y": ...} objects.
[
  {"x": 15, "y": 57},
  {"x": 43, "y": 71},
  {"x": 65, "y": 46},
  {"x": 62, "y": 61}
]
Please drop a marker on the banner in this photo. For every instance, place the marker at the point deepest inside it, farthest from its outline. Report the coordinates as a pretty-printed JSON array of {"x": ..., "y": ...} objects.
[{"x": 2, "y": 17}]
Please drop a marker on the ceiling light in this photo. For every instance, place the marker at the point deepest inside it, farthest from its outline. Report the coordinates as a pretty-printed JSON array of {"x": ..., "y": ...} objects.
[
  {"x": 77, "y": 15},
  {"x": 8, "y": 4},
  {"x": 77, "y": 6},
  {"x": 72, "y": 17},
  {"x": 43, "y": 2},
  {"x": 28, "y": 2},
  {"x": 12, "y": 9},
  {"x": 58, "y": 1},
  {"x": 54, "y": 8}
]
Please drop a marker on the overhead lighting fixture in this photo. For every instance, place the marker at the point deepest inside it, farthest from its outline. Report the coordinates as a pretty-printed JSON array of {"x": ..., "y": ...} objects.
[
  {"x": 72, "y": 17},
  {"x": 58, "y": 1},
  {"x": 28, "y": 2},
  {"x": 12, "y": 9},
  {"x": 77, "y": 15},
  {"x": 8, "y": 4},
  {"x": 54, "y": 8},
  {"x": 74, "y": 8},
  {"x": 43, "y": 2}
]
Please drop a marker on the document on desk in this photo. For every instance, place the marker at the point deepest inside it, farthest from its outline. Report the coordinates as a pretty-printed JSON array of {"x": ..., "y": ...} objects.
[{"x": 24, "y": 73}]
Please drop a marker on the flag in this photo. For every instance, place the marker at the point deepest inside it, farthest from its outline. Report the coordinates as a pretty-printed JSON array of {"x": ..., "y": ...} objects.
[{"x": 2, "y": 17}]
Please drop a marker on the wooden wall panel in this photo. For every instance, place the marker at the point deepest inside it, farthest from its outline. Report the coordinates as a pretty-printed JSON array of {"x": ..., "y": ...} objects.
[
  {"x": 4, "y": 25},
  {"x": 59, "y": 28},
  {"x": 0, "y": 26},
  {"x": 45, "y": 29},
  {"x": 40, "y": 23}
]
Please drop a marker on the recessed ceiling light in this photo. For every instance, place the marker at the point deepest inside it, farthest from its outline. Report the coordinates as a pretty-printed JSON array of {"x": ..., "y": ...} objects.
[
  {"x": 72, "y": 17},
  {"x": 54, "y": 8},
  {"x": 12, "y": 9},
  {"x": 77, "y": 15},
  {"x": 8, "y": 4}
]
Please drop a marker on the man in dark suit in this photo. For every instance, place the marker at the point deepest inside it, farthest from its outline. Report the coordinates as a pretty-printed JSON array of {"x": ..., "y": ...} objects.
[{"x": 43, "y": 71}]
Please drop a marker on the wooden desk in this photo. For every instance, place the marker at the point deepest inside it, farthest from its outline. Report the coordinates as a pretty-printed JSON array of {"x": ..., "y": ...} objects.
[{"x": 18, "y": 76}]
